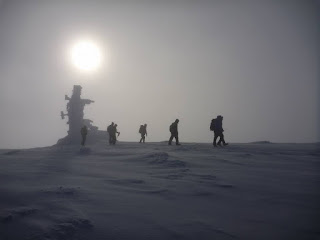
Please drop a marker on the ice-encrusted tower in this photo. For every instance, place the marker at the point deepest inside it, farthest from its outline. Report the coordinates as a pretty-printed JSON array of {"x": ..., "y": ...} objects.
[{"x": 75, "y": 108}]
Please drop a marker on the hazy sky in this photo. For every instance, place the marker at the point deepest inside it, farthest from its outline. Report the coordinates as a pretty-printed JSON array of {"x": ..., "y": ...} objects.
[{"x": 254, "y": 62}]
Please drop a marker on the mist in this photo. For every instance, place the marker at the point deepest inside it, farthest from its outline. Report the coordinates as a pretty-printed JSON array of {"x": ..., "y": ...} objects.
[{"x": 256, "y": 63}]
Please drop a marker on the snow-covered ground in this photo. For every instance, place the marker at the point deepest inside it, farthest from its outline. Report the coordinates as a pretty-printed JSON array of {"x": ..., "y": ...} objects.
[{"x": 155, "y": 191}]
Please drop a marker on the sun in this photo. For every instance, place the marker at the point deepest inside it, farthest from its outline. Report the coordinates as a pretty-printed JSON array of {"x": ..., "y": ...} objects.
[{"x": 86, "y": 55}]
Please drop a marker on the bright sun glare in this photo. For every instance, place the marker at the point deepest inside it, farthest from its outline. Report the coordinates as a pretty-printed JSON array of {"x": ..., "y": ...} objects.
[{"x": 86, "y": 55}]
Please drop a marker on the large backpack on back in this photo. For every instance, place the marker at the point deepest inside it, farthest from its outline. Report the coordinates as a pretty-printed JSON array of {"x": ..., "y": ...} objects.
[
  {"x": 213, "y": 125},
  {"x": 140, "y": 129},
  {"x": 171, "y": 128}
]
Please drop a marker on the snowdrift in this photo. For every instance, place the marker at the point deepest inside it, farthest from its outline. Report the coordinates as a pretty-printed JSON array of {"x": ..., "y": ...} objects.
[{"x": 155, "y": 191}]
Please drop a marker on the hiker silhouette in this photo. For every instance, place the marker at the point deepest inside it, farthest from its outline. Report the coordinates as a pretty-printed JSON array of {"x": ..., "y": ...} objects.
[
  {"x": 112, "y": 133},
  {"x": 216, "y": 127},
  {"x": 174, "y": 132},
  {"x": 84, "y": 132},
  {"x": 143, "y": 132}
]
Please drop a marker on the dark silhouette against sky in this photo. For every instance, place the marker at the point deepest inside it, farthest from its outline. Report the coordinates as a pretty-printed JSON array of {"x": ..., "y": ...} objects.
[{"x": 256, "y": 63}]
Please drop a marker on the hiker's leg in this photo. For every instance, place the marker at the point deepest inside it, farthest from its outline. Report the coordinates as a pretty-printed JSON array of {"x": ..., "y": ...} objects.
[{"x": 170, "y": 139}]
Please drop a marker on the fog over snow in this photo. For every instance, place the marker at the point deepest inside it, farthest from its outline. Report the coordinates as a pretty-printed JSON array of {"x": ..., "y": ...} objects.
[{"x": 254, "y": 62}]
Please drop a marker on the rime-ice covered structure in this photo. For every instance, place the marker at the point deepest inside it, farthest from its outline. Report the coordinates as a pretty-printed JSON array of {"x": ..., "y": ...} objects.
[{"x": 75, "y": 114}]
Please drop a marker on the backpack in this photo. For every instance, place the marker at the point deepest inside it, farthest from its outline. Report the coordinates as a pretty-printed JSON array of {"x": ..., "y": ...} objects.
[
  {"x": 140, "y": 129},
  {"x": 213, "y": 125},
  {"x": 171, "y": 127}
]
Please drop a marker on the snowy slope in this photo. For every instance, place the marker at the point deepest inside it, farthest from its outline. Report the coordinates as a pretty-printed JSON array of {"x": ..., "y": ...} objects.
[{"x": 155, "y": 191}]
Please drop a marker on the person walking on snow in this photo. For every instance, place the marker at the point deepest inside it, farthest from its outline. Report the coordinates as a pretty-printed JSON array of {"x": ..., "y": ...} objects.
[
  {"x": 110, "y": 130},
  {"x": 84, "y": 132},
  {"x": 174, "y": 132},
  {"x": 216, "y": 127},
  {"x": 143, "y": 132}
]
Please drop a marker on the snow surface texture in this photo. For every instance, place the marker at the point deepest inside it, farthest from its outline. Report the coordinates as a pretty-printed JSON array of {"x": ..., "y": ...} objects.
[{"x": 155, "y": 191}]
